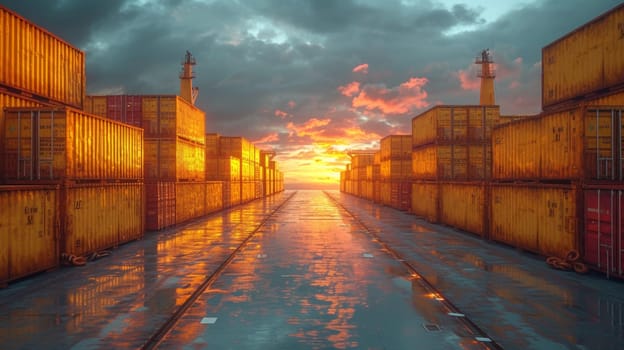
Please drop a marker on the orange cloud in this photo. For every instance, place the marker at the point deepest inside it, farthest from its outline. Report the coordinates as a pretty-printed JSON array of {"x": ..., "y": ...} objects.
[
  {"x": 398, "y": 100},
  {"x": 267, "y": 139},
  {"x": 362, "y": 68},
  {"x": 350, "y": 89},
  {"x": 311, "y": 127},
  {"x": 281, "y": 114}
]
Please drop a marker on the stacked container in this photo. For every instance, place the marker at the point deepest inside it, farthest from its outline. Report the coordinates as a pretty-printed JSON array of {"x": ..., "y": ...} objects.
[
  {"x": 451, "y": 164},
  {"x": 395, "y": 171}
]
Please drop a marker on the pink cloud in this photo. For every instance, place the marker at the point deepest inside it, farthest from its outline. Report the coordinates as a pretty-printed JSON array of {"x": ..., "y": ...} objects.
[
  {"x": 350, "y": 89},
  {"x": 468, "y": 79},
  {"x": 281, "y": 114},
  {"x": 362, "y": 68},
  {"x": 312, "y": 127},
  {"x": 397, "y": 100},
  {"x": 292, "y": 104},
  {"x": 267, "y": 139}
]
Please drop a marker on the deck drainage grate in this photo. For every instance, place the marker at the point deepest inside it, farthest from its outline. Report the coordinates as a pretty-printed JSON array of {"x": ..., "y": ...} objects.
[{"x": 431, "y": 327}]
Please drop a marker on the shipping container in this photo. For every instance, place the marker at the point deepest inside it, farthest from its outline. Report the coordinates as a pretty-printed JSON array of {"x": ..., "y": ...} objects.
[
  {"x": 231, "y": 193},
  {"x": 212, "y": 145},
  {"x": 426, "y": 200},
  {"x": 95, "y": 217},
  {"x": 538, "y": 218},
  {"x": 174, "y": 160},
  {"x": 603, "y": 237},
  {"x": 64, "y": 143},
  {"x": 170, "y": 116},
  {"x": 452, "y": 162},
  {"x": 223, "y": 169},
  {"x": 396, "y": 194},
  {"x": 395, "y": 147},
  {"x": 160, "y": 205},
  {"x": 377, "y": 191},
  {"x": 190, "y": 201},
  {"x": 464, "y": 205},
  {"x": 39, "y": 63},
  {"x": 28, "y": 230},
  {"x": 576, "y": 144},
  {"x": 454, "y": 124},
  {"x": 396, "y": 170},
  {"x": 595, "y": 46},
  {"x": 238, "y": 147}
]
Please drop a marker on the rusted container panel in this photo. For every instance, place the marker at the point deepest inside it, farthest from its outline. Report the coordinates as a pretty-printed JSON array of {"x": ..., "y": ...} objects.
[
  {"x": 127, "y": 109},
  {"x": 603, "y": 237},
  {"x": 38, "y": 62},
  {"x": 395, "y": 147},
  {"x": 169, "y": 116},
  {"x": 238, "y": 147},
  {"x": 396, "y": 170},
  {"x": 174, "y": 160},
  {"x": 576, "y": 144},
  {"x": 28, "y": 230},
  {"x": 95, "y": 105},
  {"x": 464, "y": 206},
  {"x": 190, "y": 201},
  {"x": 596, "y": 46},
  {"x": 480, "y": 161},
  {"x": 426, "y": 199},
  {"x": 97, "y": 217},
  {"x": 612, "y": 99},
  {"x": 160, "y": 205},
  {"x": 64, "y": 143},
  {"x": 538, "y": 218},
  {"x": 454, "y": 124},
  {"x": 443, "y": 162},
  {"x": 231, "y": 194}
]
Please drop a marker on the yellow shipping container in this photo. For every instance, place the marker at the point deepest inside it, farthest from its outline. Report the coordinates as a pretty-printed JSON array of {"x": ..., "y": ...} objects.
[
  {"x": 190, "y": 201},
  {"x": 223, "y": 169},
  {"x": 596, "y": 46},
  {"x": 174, "y": 160},
  {"x": 464, "y": 205},
  {"x": 28, "y": 230},
  {"x": 212, "y": 145},
  {"x": 453, "y": 124},
  {"x": 97, "y": 217},
  {"x": 396, "y": 169},
  {"x": 425, "y": 200},
  {"x": 170, "y": 116},
  {"x": 238, "y": 147},
  {"x": 214, "y": 196},
  {"x": 35, "y": 61},
  {"x": 64, "y": 143},
  {"x": 96, "y": 105},
  {"x": 538, "y": 218},
  {"x": 231, "y": 193},
  {"x": 395, "y": 147},
  {"x": 449, "y": 162},
  {"x": 576, "y": 144},
  {"x": 361, "y": 160}
]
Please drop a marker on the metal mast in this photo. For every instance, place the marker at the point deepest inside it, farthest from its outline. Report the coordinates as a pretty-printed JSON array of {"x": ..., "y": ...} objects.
[
  {"x": 187, "y": 91},
  {"x": 487, "y": 73}
]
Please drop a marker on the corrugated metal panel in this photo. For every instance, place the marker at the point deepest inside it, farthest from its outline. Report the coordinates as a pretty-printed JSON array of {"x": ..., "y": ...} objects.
[
  {"x": 238, "y": 147},
  {"x": 190, "y": 201},
  {"x": 168, "y": 116},
  {"x": 97, "y": 217},
  {"x": 58, "y": 144},
  {"x": 214, "y": 196},
  {"x": 248, "y": 191},
  {"x": 38, "y": 62},
  {"x": 8, "y": 100},
  {"x": 160, "y": 205},
  {"x": 450, "y": 162},
  {"x": 454, "y": 124},
  {"x": 538, "y": 218},
  {"x": 603, "y": 238},
  {"x": 576, "y": 144},
  {"x": 28, "y": 230},
  {"x": 231, "y": 193},
  {"x": 223, "y": 169},
  {"x": 425, "y": 200},
  {"x": 361, "y": 160},
  {"x": 395, "y": 147},
  {"x": 613, "y": 99},
  {"x": 396, "y": 194},
  {"x": 464, "y": 206},
  {"x": 174, "y": 160},
  {"x": 596, "y": 46},
  {"x": 212, "y": 145}
]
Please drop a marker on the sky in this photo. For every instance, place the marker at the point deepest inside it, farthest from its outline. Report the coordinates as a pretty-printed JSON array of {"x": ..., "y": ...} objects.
[{"x": 313, "y": 79}]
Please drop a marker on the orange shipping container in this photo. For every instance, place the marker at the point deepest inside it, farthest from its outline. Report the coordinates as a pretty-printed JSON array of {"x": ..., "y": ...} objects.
[
  {"x": 212, "y": 145},
  {"x": 190, "y": 201},
  {"x": 223, "y": 169},
  {"x": 64, "y": 143},
  {"x": 97, "y": 217},
  {"x": 445, "y": 124},
  {"x": 28, "y": 230},
  {"x": 160, "y": 206},
  {"x": 539, "y": 218},
  {"x": 35, "y": 61},
  {"x": 396, "y": 170},
  {"x": 577, "y": 144},
  {"x": 425, "y": 200},
  {"x": 174, "y": 160},
  {"x": 214, "y": 196},
  {"x": 238, "y": 147},
  {"x": 170, "y": 116},
  {"x": 231, "y": 193},
  {"x": 395, "y": 147},
  {"x": 596, "y": 46},
  {"x": 464, "y": 205}
]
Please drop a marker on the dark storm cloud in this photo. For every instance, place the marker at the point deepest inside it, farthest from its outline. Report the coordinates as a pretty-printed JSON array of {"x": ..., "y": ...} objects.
[{"x": 257, "y": 57}]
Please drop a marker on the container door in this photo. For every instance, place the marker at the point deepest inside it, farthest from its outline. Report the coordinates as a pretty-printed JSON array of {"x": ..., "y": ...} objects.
[{"x": 600, "y": 241}]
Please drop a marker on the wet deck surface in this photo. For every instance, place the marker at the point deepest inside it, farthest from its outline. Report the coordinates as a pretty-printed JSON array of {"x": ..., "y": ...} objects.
[{"x": 313, "y": 276}]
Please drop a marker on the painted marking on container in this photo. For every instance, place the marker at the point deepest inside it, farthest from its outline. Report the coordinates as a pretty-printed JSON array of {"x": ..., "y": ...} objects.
[
  {"x": 456, "y": 314},
  {"x": 431, "y": 327},
  {"x": 368, "y": 256},
  {"x": 483, "y": 339},
  {"x": 208, "y": 320}
]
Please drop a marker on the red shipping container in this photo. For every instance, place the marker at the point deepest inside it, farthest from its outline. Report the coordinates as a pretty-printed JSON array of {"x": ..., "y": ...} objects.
[
  {"x": 603, "y": 237},
  {"x": 160, "y": 205},
  {"x": 126, "y": 109}
]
